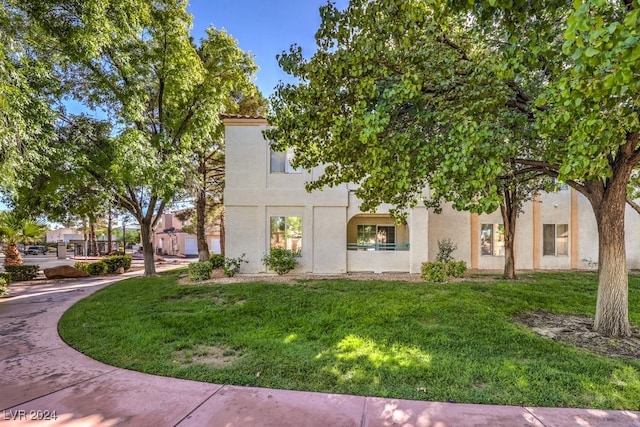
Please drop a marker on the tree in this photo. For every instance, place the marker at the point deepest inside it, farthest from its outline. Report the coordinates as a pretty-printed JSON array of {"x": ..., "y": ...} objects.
[
  {"x": 208, "y": 177},
  {"x": 26, "y": 89},
  {"x": 401, "y": 94},
  {"x": 63, "y": 189},
  {"x": 134, "y": 61},
  {"x": 14, "y": 229}
]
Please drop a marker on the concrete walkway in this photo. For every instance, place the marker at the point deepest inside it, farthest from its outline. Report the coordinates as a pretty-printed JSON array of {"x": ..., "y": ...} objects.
[{"x": 43, "y": 379}]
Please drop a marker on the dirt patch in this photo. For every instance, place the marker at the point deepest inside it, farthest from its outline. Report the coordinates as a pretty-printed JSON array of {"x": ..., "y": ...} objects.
[
  {"x": 215, "y": 356},
  {"x": 576, "y": 330}
]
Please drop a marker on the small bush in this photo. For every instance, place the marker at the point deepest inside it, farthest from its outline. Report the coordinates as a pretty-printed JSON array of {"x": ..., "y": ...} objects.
[
  {"x": 216, "y": 261},
  {"x": 82, "y": 266},
  {"x": 114, "y": 262},
  {"x": 21, "y": 273},
  {"x": 445, "y": 248},
  {"x": 434, "y": 271},
  {"x": 4, "y": 286},
  {"x": 456, "y": 268},
  {"x": 7, "y": 277},
  {"x": 199, "y": 271},
  {"x": 97, "y": 268},
  {"x": 280, "y": 260},
  {"x": 232, "y": 265}
]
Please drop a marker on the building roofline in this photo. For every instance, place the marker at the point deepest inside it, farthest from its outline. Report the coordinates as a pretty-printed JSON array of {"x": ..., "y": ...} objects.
[{"x": 243, "y": 120}]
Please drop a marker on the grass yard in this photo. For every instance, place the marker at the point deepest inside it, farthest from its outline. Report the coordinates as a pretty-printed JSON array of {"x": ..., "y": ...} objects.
[{"x": 455, "y": 342}]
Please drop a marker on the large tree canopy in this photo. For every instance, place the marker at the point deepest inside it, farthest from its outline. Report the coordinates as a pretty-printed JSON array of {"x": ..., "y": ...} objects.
[
  {"x": 134, "y": 63},
  {"x": 27, "y": 88},
  {"x": 401, "y": 94}
]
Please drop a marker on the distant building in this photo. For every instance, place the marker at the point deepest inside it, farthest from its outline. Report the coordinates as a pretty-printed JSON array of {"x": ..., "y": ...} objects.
[
  {"x": 171, "y": 239},
  {"x": 63, "y": 234}
]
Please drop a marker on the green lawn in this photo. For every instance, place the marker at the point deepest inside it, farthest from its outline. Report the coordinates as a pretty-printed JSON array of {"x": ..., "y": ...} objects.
[{"x": 444, "y": 342}]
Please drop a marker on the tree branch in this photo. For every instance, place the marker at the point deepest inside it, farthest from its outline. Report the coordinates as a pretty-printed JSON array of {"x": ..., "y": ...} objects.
[{"x": 633, "y": 204}]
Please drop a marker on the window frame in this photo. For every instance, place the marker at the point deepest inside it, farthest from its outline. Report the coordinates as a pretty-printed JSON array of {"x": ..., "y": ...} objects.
[
  {"x": 291, "y": 239},
  {"x": 493, "y": 231},
  {"x": 560, "y": 239},
  {"x": 282, "y": 159},
  {"x": 371, "y": 241}
]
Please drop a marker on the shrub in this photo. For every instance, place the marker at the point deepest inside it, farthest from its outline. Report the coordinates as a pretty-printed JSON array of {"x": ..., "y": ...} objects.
[
  {"x": 7, "y": 277},
  {"x": 445, "y": 248},
  {"x": 232, "y": 265},
  {"x": 97, "y": 268},
  {"x": 21, "y": 273},
  {"x": 280, "y": 260},
  {"x": 456, "y": 268},
  {"x": 4, "y": 286},
  {"x": 114, "y": 262},
  {"x": 82, "y": 266},
  {"x": 434, "y": 271},
  {"x": 216, "y": 261},
  {"x": 199, "y": 271}
]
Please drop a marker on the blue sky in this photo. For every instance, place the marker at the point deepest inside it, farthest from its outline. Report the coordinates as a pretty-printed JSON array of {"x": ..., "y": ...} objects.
[{"x": 264, "y": 28}]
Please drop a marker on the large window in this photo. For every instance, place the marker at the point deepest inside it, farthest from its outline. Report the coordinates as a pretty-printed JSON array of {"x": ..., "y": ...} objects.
[
  {"x": 376, "y": 237},
  {"x": 286, "y": 232},
  {"x": 555, "y": 239},
  {"x": 281, "y": 162},
  {"x": 492, "y": 239}
]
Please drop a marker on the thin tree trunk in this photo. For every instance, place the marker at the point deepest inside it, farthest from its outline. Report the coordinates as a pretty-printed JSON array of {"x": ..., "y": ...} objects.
[
  {"x": 222, "y": 232},
  {"x": 93, "y": 243},
  {"x": 146, "y": 234},
  {"x": 509, "y": 211},
  {"x": 109, "y": 231},
  {"x": 201, "y": 218}
]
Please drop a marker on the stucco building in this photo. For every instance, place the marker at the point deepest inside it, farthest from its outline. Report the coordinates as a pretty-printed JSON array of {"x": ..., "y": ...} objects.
[
  {"x": 171, "y": 238},
  {"x": 267, "y": 205}
]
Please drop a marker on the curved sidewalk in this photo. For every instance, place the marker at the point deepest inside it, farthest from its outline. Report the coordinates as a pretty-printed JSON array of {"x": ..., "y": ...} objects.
[{"x": 43, "y": 377}]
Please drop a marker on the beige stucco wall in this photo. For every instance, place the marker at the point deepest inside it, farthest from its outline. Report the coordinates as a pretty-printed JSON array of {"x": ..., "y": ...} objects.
[
  {"x": 418, "y": 221},
  {"x": 253, "y": 194},
  {"x": 330, "y": 244},
  {"x": 378, "y": 261},
  {"x": 524, "y": 245},
  {"x": 243, "y": 234},
  {"x": 453, "y": 225},
  {"x": 552, "y": 208},
  {"x": 632, "y": 238}
]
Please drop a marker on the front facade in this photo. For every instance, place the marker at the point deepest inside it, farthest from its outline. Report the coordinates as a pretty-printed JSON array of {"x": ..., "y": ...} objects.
[{"x": 267, "y": 205}]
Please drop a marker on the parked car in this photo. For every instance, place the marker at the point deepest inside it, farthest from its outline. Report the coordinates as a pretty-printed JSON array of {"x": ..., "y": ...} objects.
[{"x": 35, "y": 250}]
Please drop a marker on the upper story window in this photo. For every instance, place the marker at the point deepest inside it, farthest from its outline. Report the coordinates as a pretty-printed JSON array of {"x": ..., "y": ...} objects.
[{"x": 281, "y": 162}]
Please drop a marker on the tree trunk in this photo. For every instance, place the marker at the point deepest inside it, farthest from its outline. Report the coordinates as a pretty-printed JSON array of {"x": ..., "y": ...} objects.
[
  {"x": 93, "y": 243},
  {"x": 109, "y": 231},
  {"x": 12, "y": 255},
  {"x": 222, "y": 232},
  {"x": 509, "y": 211},
  {"x": 612, "y": 307},
  {"x": 201, "y": 218},
  {"x": 146, "y": 234}
]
